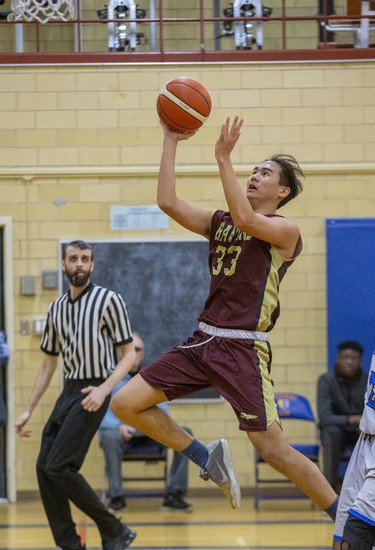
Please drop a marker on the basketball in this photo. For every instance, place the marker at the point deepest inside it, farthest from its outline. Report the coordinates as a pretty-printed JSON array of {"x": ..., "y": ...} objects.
[{"x": 183, "y": 105}]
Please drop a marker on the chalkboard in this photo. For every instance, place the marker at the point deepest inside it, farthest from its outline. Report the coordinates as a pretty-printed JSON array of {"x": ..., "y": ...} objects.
[{"x": 164, "y": 284}]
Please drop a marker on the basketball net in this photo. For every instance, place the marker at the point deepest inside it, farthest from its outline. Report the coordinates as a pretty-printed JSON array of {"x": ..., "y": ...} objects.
[{"x": 42, "y": 10}]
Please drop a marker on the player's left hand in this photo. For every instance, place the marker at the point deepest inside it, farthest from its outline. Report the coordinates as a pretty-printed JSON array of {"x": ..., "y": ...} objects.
[
  {"x": 94, "y": 399},
  {"x": 229, "y": 134}
]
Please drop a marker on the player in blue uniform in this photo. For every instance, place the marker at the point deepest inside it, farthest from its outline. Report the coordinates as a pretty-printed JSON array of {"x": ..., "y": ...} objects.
[{"x": 355, "y": 521}]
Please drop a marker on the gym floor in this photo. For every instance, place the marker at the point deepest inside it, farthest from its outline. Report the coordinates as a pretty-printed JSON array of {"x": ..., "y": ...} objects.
[{"x": 278, "y": 525}]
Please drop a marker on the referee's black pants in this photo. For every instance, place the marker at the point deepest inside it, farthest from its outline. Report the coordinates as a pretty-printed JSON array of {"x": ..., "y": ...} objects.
[{"x": 65, "y": 441}]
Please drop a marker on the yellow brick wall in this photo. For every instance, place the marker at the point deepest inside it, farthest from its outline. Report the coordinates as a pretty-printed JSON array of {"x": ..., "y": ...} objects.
[{"x": 90, "y": 135}]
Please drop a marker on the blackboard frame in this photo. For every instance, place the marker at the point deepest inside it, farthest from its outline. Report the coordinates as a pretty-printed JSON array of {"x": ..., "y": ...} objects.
[{"x": 142, "y": 276}]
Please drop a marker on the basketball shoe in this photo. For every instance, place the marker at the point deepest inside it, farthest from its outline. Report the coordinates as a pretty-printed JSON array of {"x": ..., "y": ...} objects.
[
  {"x": 175, "y": 503},
  {"x": 122, "y": 541},
  {"x": 220, "y": 469}
]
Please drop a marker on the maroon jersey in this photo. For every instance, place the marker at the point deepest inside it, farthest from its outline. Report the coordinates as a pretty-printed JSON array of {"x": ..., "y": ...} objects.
[{"x": 245, "y": 277}]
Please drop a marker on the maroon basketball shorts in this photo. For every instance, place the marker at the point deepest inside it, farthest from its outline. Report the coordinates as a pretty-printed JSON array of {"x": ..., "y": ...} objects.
[{"x": 239, "y": 369}]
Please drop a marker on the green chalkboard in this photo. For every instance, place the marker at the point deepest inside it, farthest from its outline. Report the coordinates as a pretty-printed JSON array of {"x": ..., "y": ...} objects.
[{"x": 164, "y": 284}]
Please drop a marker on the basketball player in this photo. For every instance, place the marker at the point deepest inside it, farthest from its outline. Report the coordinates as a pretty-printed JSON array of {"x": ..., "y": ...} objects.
[
  {"x": 355, "y": 521},
  {"x": 250, "y": 250}
]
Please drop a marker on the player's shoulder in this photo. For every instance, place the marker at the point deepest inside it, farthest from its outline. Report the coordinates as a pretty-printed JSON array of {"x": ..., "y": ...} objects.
[{"x": 283, "y": 219}]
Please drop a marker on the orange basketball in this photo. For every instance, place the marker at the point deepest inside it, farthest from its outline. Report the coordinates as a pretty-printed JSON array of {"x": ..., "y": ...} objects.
[{"x": 183, "y": 104}]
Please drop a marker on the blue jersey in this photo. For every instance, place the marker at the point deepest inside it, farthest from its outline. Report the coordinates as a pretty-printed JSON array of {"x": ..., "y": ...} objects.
[
  {"x": 357, "y": 495},
  {"x": 367, "y": 424}
]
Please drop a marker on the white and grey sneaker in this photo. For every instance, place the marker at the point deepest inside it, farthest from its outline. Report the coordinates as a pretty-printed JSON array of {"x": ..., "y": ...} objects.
[{"x": 220, "y": 469}]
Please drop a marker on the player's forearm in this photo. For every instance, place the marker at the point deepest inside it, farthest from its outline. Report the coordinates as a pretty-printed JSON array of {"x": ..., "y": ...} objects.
[
  {"x": 166, "y": 193},
  {"x": 238, "y": 204}
]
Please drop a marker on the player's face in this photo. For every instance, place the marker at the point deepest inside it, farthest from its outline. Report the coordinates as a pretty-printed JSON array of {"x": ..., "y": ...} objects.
[
  {"x": 349, "y": 362},
  {"x": 264, "y": 183},
  {"x": 78, "y": 265}
]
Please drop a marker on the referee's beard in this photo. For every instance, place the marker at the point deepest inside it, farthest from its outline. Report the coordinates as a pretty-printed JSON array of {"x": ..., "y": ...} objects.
[{"x": 78, "y": 279}]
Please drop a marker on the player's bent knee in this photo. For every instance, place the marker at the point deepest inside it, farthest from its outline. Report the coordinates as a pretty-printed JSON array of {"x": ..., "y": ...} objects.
[
  {"x": 357, "y": 535},
  {"x": 118, "y": 407}
]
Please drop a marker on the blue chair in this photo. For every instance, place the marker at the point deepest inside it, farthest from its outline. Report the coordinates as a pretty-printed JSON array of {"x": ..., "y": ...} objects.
[
  {"x": 143, "y": 449},
  {"x": 296, "y": 408}
]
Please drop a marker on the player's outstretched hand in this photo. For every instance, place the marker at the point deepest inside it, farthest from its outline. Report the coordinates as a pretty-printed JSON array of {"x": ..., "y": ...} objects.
[{"x": 229, "y": 134}]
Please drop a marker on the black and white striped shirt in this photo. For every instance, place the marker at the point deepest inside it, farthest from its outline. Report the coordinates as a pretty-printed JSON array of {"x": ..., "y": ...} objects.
[{"x": 86, "y": 330}]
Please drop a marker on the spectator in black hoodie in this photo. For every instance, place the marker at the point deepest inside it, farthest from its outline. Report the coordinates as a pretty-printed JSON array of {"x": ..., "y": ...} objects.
[{"x": 340, "y": 406}]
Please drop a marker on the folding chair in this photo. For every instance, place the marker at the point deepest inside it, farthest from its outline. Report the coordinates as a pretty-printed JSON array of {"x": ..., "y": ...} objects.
[
  {"x": 154, "y": 456},
  {"x": 296, "y": 408}
]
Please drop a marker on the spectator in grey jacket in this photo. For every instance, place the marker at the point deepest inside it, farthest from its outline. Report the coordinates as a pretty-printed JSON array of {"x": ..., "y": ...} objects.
[{"x": 340, "y": 406}]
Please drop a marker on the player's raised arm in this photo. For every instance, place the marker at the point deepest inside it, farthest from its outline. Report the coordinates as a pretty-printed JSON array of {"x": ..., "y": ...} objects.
[
  {"x": 183, "y": 212},
  {"x": 272, "y": 183}
]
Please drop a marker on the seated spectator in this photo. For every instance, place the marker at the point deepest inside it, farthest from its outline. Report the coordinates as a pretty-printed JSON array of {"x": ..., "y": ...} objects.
[
  {"x": 115, "y": 437},
  {"x": 340, "y": 405}
]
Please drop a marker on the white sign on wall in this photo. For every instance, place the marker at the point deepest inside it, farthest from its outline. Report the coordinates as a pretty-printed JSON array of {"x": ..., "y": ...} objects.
[{"x": 138, "y": 217}]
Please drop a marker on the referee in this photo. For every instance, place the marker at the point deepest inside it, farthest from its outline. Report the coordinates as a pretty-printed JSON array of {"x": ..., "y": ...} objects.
[{"x": 88, "y": 327}]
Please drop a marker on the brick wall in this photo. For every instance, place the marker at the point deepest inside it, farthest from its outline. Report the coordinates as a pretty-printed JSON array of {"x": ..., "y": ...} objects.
[{"x": 90, "y": 135}]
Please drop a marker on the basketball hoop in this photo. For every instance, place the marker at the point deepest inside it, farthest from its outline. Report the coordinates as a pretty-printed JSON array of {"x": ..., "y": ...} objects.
[{"x": 42, "y": 10}]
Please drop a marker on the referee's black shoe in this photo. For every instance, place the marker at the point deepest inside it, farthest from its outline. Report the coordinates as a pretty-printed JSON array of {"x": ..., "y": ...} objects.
[{"x": 122, "y": 541}]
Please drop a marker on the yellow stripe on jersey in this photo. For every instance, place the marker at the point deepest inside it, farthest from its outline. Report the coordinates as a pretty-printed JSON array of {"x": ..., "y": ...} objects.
[{"x": 271, "y": 293}]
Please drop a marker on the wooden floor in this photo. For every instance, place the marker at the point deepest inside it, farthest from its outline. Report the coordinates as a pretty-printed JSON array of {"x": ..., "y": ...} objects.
[{"x": 279, "y": 525}]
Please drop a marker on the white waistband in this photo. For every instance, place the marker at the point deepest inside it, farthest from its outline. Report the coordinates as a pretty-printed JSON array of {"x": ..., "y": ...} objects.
[{"x": 234, "y": 333}]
